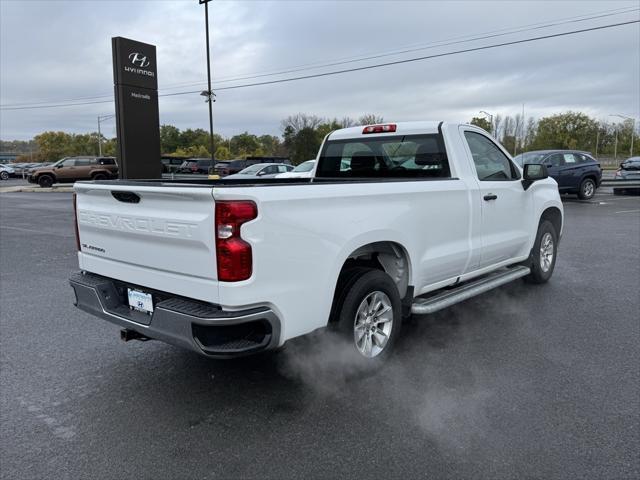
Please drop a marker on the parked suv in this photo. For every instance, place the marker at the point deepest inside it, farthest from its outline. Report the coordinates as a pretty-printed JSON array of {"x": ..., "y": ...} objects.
[
  {"x": 171, "y": 164},
  {"x": 575, "y": 171},
  {"x": 195, "y": 165},
  {"x": 70, "y": 169}
]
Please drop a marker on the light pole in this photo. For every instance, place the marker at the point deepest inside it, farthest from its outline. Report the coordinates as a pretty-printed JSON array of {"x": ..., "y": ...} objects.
[
  {"x": 633, "y": 130},
  {"x": 102, "y": 118},
  {"x": 209, "y": 93},
  {"x": 490, "y": 120}
]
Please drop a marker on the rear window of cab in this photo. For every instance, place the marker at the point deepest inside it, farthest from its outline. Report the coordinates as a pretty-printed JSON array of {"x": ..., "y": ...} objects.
[{"x": 407, "y": 156}]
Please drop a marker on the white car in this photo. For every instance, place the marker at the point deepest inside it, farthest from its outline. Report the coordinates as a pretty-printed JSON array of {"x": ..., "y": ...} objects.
[
  {"x": 260, "y": 170},
  {"x": 234, "y": 268},
  {"x": 6, "y": 171},
  {"x": 304, "y": 170}
]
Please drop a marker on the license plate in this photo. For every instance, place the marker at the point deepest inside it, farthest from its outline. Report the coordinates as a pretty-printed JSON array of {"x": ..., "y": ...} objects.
[{"x": 140, "y": 301}]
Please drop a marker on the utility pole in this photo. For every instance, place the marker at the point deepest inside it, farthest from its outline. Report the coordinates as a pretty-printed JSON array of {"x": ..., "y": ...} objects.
[
  {"x": 633, "y": 130},
  {"x": 101, "y": 118},
  {"x": 209, "y": 93},
  {"x": 490, "y": 121}
]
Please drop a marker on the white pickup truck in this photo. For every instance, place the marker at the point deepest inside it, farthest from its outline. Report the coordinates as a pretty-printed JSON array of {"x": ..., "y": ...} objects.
[{"x": 398, "y": 219}]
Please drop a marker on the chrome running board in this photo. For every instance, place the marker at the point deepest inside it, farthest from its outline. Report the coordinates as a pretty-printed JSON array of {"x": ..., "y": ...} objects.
[{"x": 423, "y": 306}]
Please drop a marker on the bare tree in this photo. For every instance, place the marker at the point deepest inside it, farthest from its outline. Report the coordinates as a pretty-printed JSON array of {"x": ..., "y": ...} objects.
[
  {"x": 347, "y": 122},
  {"x": 497, "y": 125},
  {"x": 370, "y": 119},
  {"x": 300, "y": 121}
]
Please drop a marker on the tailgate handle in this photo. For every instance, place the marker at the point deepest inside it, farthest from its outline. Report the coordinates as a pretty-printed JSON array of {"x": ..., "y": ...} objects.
[{"x": 126, "y": 197}]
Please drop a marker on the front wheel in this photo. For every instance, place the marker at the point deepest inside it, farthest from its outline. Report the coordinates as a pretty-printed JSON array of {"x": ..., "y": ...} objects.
[
  {"x": 587, "y": 189},
  {"x": 543, "y": 254},
  {"x": 45, "y": 181},
  {"x": 370, "y": 315}
]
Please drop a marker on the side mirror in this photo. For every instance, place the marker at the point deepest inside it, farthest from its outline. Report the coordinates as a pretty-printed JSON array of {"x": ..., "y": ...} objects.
[
  {"x": 261, "y": 173},
  {"x": 532, "y": 173}
]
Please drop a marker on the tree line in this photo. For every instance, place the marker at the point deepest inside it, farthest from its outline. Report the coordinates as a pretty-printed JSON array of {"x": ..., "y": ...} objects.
[
  {"x": 302, "y": 135},
  {"x": 568, "y": 130}
]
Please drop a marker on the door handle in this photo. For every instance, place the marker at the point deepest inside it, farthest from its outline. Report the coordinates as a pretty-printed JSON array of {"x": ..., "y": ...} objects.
[{"x": 491, "y": 196}]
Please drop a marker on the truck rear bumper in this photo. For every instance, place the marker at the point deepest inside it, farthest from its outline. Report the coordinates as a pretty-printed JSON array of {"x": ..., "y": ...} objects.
[{"x": 198, "y": 326}]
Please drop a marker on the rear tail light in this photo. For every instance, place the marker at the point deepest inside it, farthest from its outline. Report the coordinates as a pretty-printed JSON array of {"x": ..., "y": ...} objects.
[
  {"x": 388, "y": 128},
  {"x": 233, "y": 254},
  {"x": 75, "y": 220}
]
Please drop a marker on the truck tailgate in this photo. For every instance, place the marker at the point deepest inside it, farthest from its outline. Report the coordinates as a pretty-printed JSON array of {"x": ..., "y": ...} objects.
[{"x": 160, "y": 237}]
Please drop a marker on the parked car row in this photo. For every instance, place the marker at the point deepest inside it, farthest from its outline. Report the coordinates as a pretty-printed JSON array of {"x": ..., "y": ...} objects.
[{"x": 8, "y": 170}]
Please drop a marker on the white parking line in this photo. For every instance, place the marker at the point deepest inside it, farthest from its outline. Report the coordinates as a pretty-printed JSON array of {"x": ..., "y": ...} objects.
[{"x": 629, "y": 211}]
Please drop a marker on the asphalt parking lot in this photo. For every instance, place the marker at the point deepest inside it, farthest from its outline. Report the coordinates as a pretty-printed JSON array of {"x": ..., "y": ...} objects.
[{"x": 523, "y": 382}]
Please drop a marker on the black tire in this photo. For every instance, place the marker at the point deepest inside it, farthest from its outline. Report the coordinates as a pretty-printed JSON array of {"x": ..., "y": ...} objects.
[
  {"x": 618, "y": 191},
  {"x": 45, "y": 181},
  {"x": 99, "y": 176},
  {"x": 363, "y": 284},
  {"x": 587, "y": 189},
  {"x": 4, "y": 175},
  {"x": 538, "y": 272}
]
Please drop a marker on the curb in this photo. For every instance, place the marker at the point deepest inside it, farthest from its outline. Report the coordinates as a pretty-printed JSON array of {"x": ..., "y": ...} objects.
[{"x": 29, "y": 188}]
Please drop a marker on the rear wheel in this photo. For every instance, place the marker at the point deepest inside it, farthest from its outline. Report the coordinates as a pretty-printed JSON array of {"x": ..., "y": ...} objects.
[
  {"x": 587, "y": 189},
  {"x": 45, "y": 181},
  {"x": 4, "y": 175},
  {"x": 543, "y": 254},
  {"x": 369, "y": 314},
  {"x": 99, "y": 176}
]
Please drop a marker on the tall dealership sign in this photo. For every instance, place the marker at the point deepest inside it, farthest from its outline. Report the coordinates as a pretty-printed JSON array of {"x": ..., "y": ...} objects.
[{"x": 135, "y": 78}]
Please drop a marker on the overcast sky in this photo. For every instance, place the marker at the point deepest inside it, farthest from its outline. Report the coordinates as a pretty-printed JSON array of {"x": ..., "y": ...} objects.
[{"x": 56, "y": 51}]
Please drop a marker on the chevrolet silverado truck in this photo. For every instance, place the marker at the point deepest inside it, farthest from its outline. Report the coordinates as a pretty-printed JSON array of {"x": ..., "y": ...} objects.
[{"x": 397, "y": 219}]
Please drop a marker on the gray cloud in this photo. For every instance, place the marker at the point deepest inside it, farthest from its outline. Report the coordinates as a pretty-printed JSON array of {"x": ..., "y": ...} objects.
[{"x": 61, "y": 50}]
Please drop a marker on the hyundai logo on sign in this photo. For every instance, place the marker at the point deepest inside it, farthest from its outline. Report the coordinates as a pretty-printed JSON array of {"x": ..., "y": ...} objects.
[{"x": 139, "y": 59}]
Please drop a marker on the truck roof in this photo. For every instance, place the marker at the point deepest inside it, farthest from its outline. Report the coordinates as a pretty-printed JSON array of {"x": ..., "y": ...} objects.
[{"x": 402, "y": 128}]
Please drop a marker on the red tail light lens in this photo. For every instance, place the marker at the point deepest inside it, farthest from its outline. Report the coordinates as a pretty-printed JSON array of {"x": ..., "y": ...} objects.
[
  {"x": 234, "y": 256},
  {"x": 388, "y": 128},
  {"x": 75, "y": 222}
]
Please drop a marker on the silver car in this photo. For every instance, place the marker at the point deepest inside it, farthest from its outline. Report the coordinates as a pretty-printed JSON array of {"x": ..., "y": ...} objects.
[
  {"x": 6, "y": 171},
  {"x": 260, "y": 170},
  {"x": 629, "y": 170}
]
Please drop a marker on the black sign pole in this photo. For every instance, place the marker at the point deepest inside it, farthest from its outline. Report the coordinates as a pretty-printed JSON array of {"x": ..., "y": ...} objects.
[
  {"x": 137, "y": 117},
  {"x": 209, "y": 94}
]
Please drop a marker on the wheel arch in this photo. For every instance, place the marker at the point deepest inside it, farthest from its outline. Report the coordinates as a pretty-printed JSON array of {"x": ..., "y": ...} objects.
[
  {"x": 388, "y": 256},
  {"x": 554, "y": 215},
  {"x": 48, "y": 174}
]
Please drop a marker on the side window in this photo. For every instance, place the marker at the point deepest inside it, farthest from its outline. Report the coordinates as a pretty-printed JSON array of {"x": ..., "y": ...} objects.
[
  {"x": 554, "y": 160},
  {"x": 83, "y": 162},
  {"x": 69, "y": 162},
  {"x": 569, "y": 159},
  {"x": 282, "y": 169},
  {"x": 491, "y": 164},
  {"x": 583, "y": 158}
]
